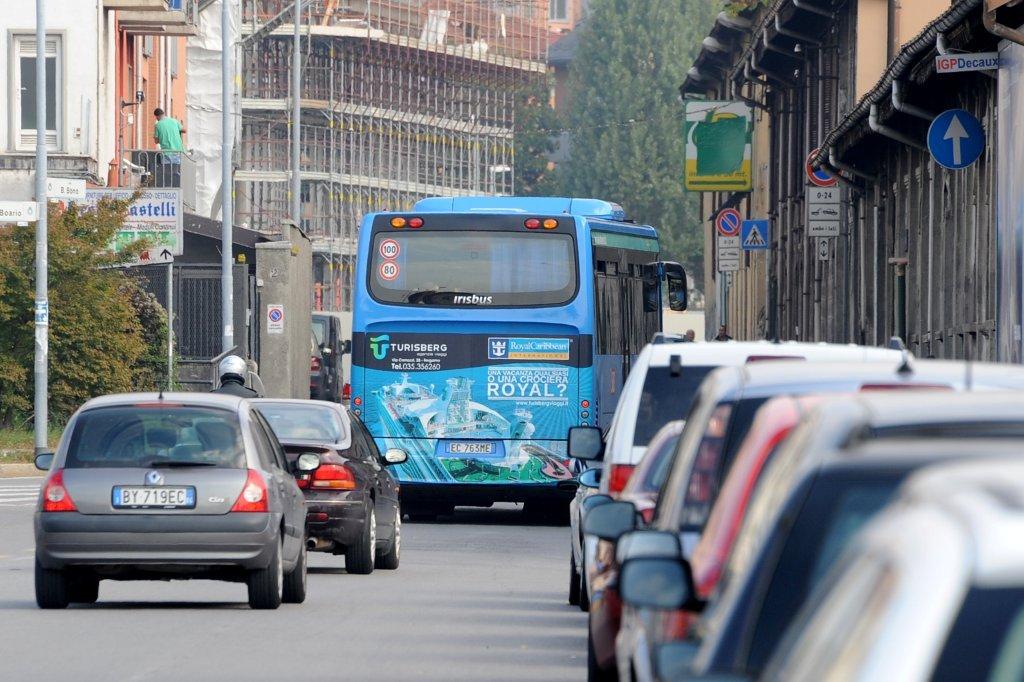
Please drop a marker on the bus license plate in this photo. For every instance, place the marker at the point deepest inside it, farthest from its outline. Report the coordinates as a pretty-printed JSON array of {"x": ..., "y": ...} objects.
[
  {"x": 459, "y": 448},
  {"x": 150, "y": 497}
]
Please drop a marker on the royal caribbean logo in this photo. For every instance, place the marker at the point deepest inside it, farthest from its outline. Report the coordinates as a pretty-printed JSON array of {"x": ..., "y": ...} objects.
[
  {"x": 527, "y": 349},
  {"x": 379, "y": 346}
]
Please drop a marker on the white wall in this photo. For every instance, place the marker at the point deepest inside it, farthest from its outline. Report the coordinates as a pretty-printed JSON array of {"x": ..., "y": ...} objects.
[{"x": 88, "y": 71}]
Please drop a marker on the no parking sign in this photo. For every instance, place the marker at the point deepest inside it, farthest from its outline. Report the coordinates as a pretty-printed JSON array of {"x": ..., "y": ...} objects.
[{"x": 275, "y": 319}]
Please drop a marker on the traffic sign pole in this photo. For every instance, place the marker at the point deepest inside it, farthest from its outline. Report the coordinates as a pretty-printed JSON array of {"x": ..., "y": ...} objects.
[{"x": 42, "y": 307}]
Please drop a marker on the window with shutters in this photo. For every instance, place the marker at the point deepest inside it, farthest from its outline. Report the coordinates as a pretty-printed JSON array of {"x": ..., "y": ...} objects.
[{"x": 23, "y": 111}]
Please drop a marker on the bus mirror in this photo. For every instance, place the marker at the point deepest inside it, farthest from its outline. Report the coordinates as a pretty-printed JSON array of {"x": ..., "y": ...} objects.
[
  {"x": 675, "y": 277},
  {"x": 585, "y": 442},
  {"x": 346, "y": 346}
]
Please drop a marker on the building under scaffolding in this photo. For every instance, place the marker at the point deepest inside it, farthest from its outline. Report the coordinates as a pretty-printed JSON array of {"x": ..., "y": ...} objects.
[{"x": 401, "y": 99}]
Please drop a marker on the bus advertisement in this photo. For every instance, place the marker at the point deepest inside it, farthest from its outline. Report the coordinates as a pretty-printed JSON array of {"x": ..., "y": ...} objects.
[{"x": 478, "y": 338}]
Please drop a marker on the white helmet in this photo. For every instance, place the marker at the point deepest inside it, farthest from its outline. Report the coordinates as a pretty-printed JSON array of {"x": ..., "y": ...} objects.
[{"x": 233, "y": 364}]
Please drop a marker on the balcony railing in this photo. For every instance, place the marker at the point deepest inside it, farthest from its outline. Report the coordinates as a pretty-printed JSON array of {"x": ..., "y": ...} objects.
[
  {"x": 151, "y": 168},
  {"x": 157, "y": 17}
]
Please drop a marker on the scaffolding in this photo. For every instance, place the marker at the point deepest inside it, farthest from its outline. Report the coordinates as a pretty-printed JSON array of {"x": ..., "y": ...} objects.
[{"x": 401, "y": 99}]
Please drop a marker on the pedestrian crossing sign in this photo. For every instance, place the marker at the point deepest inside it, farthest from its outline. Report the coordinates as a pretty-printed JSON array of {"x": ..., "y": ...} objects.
[{"x": 754, "y": 235}]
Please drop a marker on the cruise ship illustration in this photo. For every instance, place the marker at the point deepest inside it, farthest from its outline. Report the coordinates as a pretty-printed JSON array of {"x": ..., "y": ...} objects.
[{"x": 415, "y": 417}]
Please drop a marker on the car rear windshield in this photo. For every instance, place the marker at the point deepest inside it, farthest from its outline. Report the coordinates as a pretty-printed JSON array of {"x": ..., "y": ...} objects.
[
  {"x": 144, "y": 436},
  {"x": 987, "y": 639},
  {"x": 666, "y": 397},
  {"x": 303, "y": 422},
  {"x": 473, "y": 268}
]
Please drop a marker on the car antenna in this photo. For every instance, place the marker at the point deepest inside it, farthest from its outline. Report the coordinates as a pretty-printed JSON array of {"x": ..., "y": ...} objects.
[{"x": 675, "y": 365}]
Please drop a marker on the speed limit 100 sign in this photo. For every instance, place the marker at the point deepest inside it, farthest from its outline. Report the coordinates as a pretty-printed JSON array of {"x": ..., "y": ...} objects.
[{"x": 389, "y": 249}]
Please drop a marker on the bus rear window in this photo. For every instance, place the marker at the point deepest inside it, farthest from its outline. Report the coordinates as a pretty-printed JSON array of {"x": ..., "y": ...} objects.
[{"x": 474, "y": 268}]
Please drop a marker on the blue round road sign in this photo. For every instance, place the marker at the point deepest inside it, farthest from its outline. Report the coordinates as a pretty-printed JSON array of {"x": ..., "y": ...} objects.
[
  {"x": 956, "y": 139},
  {"x": 729, "y": 222}
]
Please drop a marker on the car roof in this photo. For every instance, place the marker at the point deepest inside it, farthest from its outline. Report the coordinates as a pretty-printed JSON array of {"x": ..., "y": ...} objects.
[
  {"x": 221, "y": 400},
  {"x": 737, "y": 352}
]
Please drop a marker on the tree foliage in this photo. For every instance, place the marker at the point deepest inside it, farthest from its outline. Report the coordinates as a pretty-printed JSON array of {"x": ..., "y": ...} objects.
[
  {"x": 535, "y": 120},
  {"x": 96, "y": 336},
  {"x": 626, "y": 120}
]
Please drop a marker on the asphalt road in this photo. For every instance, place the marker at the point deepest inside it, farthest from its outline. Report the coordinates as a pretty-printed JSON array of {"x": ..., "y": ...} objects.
[{"x": 477, "y": 597}]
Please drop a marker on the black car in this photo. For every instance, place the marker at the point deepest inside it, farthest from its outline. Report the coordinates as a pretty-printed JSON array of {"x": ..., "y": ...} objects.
[
  {"x": 326, "y": 373},
  {"x": 352, "y": 504}
]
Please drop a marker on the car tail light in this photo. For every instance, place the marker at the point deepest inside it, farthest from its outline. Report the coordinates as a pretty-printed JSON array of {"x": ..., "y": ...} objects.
[
  {"x": 334, "y": 477},
  {"x": 314, "y": 364},
  {"x": 618, "y": 474},
  {"x": 346, "y": 392},
  {"x": 316, "y": 516},
  {"x": 253, "y": 497},
  {"x": 675, "y": 625},
  {"x": 56, "y": 498}
]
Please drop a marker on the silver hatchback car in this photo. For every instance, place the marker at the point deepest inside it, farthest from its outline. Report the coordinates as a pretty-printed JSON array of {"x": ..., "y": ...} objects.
[{"x": 153, "y": 486}]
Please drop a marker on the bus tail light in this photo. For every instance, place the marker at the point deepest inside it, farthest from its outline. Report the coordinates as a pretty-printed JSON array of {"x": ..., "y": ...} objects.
[
  {"x": 415, "y": 222},
  {"x": 532, "y": 223},
  {"x": 398, "y": 222},
  {"x": 550, "y": 224}
]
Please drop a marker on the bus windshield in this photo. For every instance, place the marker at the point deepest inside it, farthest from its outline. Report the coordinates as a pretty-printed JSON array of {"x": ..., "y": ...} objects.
[{"x": 479, "y": 268}]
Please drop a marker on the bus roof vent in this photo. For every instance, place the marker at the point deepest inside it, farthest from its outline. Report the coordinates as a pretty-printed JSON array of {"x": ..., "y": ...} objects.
[{"x": 594, "y": 208}]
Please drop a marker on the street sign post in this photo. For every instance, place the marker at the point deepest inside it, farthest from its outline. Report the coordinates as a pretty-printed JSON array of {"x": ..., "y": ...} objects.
[
  {"x": 956, "y": 139},
  {"x": 728, "y": 253},
  {"x": 718, "y": 148},
  {"x": 728, "y": 222},
  {"x": 18, "y": 211},
  {"x": 959, "y": 63},
  {"x": 817, "y": 176},
  {"x": 64, "y": 188},
  {"x": 822, "y": 211},
  {"x": 755, "y": 235}
]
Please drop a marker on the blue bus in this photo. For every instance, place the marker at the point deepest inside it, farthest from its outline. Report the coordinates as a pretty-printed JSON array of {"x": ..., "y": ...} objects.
[{"x": 485, "y": 327}]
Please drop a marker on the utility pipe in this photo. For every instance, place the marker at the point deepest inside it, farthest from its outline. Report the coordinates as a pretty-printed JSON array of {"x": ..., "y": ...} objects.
[
  {"x": 899, "y": 104},
  {"x": 886, "y": 131},
  {"x": 835, "y": 162}
]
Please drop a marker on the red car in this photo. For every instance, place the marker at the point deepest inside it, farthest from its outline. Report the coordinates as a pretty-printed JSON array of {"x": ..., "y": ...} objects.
[{"x": 605, "y": 606}]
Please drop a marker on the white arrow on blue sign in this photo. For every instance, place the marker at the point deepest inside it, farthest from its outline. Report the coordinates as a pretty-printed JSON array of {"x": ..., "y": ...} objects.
[
  {"x": 755, "y": 236},
  {"x": 956, "y": 139}
]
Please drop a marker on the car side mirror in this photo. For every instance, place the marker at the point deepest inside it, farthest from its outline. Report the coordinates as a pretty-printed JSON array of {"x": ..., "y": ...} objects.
[
  {"x": 395, "y": 456},
  {"x": 675, "y": 278},
  {"x": 659, "y": 583},
  {"x": 44, "y": 460},
  {"x": 346, "y": 347},
  {"x": 307, "y": 461},
  {"x": 591, "y": 478},
  {"x": 592, "y": 501},
  {"x": 586, "y": 442},
  {"x": 648, "y": 543},
  {"x": 610, "y": 520}
]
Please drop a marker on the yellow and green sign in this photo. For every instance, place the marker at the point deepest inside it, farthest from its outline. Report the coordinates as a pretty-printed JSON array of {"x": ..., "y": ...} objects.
[{"x": 718, "y": 146}]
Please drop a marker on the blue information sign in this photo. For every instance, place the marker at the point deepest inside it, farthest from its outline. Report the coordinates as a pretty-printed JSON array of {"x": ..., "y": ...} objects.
[
  {"x": 956, "y": 139},
  {"x": 755, "y": 235}
]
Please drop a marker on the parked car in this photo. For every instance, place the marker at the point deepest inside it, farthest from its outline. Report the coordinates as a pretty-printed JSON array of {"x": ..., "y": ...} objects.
[
  {"x": 331, "y": 333},
  {"x": 932, "y": 589},
  {"x": 722, "y": 417},
  {"x": 660, "y": 387},
  {"x": 170, "y": 486},
  {"x": 352, "y": 500},
  {"x": 641, "y": 491},
  {"x": 808, "y": 505}
]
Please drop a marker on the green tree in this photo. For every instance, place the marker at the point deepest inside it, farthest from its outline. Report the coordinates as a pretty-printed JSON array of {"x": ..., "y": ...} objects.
[
  {"x": 95, "y": 337},
  {"x": 625, "y": 119},
  {"x": 532, "y": 141}
]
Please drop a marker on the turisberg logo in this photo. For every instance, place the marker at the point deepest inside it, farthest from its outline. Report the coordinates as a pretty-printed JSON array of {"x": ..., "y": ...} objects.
[
  {"x": 379, "y": 346},
  {"x": 473, "y": 300}
]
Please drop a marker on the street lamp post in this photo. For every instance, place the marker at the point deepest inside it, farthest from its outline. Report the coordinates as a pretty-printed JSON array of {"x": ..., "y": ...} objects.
[
  {"x": 227, "y": 186},
  {"x": 42, "y": 307}
]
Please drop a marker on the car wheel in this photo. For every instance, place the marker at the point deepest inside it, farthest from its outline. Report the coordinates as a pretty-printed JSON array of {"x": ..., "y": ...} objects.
[
  {"x": 294, "y": 591},
  {"x": 584, "y": 595},
  {"x": 266, "y": 585},
  {"x": 574, "y": 581},
  {"x": 595, "y": 673},
  {"x": 84, "y": 589},
  {"x": 52, "y": 588},
  {"x": 389, "y": 560},
  {"x": 360, "y": 556}
]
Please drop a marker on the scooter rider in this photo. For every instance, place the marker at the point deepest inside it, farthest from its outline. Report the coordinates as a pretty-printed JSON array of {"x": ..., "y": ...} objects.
[{"x": 232, "y": 372}]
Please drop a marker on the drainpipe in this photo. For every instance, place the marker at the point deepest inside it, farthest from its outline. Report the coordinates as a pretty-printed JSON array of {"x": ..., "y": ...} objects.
[
  {"x": 988, "y": 17},
  {"x": 899, "y": 104},
  {"x": 890, "y": 41},
  {"x": 737, "y": 93},
  {"x": 886, "y": 131},
  {"x": 749, "y": 74},
  {"x": 833, "y": 160}
]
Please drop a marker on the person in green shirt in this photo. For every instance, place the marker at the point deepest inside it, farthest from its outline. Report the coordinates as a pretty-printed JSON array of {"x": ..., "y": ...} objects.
[{"x": 167, "y": 133}]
